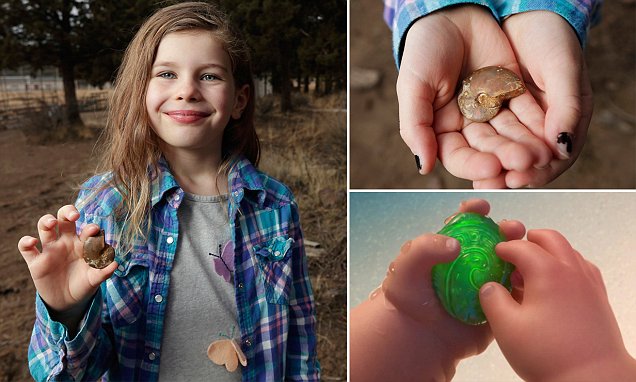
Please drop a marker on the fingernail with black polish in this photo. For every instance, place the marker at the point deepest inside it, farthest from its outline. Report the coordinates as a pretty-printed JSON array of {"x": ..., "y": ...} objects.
[
  {"x": 564, "y": 144},
  {"x": 417, "y": 162}
]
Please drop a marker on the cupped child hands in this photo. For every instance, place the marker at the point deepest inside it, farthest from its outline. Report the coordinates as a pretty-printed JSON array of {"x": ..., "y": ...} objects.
[
  {"x": 562, "y": 328},
  {"x": 403, "y": 332},
  {"x": 63, "y": 279},
  {"x": 440, "y": 50}
]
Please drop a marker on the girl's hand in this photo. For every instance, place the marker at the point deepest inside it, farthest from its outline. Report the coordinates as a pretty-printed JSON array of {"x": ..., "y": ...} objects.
[
  {"x": 553, "y": 69},
  {"x": 440, "y": 50},
  {"x": 562, "y": 327},
  {"x": 61, "y": 276}
]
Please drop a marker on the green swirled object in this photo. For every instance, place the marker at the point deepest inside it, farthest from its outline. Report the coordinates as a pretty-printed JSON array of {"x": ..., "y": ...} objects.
[{"x": 457, "y": 283}]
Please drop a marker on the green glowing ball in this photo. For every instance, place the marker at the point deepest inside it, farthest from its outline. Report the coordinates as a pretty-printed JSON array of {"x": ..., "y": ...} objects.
[{"x": 457, "y": 283}]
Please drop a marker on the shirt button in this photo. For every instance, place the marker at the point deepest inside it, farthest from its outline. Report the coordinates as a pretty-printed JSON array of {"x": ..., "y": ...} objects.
[
  {"x": 177, "y": 197},
  {"x": 158, "y": 298},
  {"x": 247, "y": 342},
  {"x": 121, "y": 268},
  {"x": 170, "y": 240},
  {"x": 152, "y": 356},
  {"x": 240, "y": 285}
]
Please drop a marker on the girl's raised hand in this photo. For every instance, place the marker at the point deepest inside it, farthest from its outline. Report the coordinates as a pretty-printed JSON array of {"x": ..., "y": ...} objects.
[{"x": 61, "y": 276}]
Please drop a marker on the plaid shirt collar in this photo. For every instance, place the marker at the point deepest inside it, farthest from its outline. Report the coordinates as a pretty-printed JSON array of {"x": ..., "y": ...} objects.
[{"x": 242, "y": 178}]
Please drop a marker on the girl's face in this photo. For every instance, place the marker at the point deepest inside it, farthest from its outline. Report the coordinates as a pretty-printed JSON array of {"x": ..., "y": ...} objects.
[{"x": 191, "y": 94}]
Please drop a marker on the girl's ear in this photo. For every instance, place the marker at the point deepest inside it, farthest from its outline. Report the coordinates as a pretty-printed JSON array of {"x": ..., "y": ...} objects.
[{"x": 240, "y": 102}]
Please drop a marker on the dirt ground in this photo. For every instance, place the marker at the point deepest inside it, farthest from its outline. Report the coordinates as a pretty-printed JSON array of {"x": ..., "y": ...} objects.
[
  {"x": 379, "y": 158},
  {"x": 38, "y": 179}
]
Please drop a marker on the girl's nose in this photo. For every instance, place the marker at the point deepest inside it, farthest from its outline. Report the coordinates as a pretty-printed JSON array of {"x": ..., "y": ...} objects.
[{"x": 188, "y": 90}]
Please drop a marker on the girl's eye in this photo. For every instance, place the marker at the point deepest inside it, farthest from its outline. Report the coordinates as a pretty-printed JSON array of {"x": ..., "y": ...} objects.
[
  {"x": 167, "y": 75},
  {"x": 210, "y": 77}
]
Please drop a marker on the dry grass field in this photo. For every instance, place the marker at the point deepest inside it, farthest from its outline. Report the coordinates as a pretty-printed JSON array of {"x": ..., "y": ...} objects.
[{"x": 305, "y": 149}]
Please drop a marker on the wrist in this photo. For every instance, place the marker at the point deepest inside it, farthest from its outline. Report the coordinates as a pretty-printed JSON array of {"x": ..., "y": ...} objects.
[
  {"x": 70, "y": 317},
  {"x": 387, "y": 344},
  {"x": 621, "y": 367}
]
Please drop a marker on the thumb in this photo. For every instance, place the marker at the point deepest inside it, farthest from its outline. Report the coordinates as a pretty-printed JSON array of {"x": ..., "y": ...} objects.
[
  {"x": 415, "y": 100},
  {"x": 98, "y": 276},
  {"x": 497, "y": 304}
]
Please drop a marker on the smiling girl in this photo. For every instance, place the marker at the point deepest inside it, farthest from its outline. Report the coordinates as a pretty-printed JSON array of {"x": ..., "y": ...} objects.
[{"x": 209, "y": 257}]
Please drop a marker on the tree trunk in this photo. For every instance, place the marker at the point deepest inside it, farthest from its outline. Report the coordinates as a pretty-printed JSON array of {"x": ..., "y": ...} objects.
[
  {"x": 285, "y": 84},
  {"x": 328, "y": 84},
  {"x": 71, "y": 107},
  {"x": 72, "y": 118},
  {"x": 317, "y": 89}
]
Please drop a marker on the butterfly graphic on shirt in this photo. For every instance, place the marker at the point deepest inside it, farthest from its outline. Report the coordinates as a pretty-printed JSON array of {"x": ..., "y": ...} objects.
[
  {"x": 224, "y": 261},
  {"x": 227, "y": 352}
]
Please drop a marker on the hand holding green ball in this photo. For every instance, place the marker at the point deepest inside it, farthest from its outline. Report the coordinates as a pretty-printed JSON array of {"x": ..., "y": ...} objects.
[{"x": 457, "y": 283}]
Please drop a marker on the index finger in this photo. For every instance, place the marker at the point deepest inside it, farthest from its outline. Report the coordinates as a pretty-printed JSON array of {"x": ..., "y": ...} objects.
[
  {"x": 66, "y": 217},
  {"x": 530, "y": 259}
]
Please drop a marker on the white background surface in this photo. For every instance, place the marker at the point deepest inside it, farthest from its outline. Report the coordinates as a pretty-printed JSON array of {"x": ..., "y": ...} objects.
[{"x": 600, "y": 225}]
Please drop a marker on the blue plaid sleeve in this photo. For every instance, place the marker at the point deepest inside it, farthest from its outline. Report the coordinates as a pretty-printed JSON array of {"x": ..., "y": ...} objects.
[
  {"x": 581, "y": 14},
  {"x": 54, "y": 356},
  {"x": 401, "y": 14},
  {"x": 302, "y": 363}
]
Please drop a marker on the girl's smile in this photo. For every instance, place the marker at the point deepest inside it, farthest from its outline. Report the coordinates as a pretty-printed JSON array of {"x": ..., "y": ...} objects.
[
  {"x": 191, "y": 94},
  {"x": 187, "y": 116}
]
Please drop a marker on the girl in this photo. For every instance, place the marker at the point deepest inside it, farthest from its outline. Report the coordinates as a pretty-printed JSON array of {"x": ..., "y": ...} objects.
[{"x": 207, "y": 248}]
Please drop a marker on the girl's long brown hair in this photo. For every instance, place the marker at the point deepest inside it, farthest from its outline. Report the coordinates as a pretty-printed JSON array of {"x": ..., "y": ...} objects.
[{"x": 130, "y": 145}]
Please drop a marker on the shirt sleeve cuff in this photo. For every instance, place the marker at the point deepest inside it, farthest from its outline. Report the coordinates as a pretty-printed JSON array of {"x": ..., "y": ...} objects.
[
  {"x": 581, "y": 15},
  {"x": 408, "y": 12},
  {"x": 77, "y": 349}
]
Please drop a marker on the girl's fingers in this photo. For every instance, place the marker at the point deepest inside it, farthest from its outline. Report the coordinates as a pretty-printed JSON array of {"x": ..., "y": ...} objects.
[
  {"x": 46, "y": 229},
  {"x": 512, "y": 229},
  {"x": 498, "y": 182},
  {"x": 513, "y": 127},
  {"x": 88, "y": 231},
  {"x": 532, "y": 261},
  {"x": 98, "y": 276},
  {"x": 478, "y": 206},
  {"x": 464, "y": 161},
  {"x": 528, "y": 113},
  {"x": 27, "y": 248},
  {"x": 408, "y": 282},
  {"x": 554, "y": 243},
  {"x": 512, "y": 155},
  {"x": 416, "y": 119},
  {"x": 67, "y": 216}
]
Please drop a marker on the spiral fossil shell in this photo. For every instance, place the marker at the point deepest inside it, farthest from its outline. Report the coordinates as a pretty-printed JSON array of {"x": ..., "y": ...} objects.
[
  {"x": 457, "y": 283},
  {"x": 484, "y": 91},
  {"x": 97, "y": 253}
]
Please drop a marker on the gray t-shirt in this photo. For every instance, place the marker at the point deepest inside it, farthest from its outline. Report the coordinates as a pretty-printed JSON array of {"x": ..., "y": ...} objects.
[{"x": 200, "y": 303}]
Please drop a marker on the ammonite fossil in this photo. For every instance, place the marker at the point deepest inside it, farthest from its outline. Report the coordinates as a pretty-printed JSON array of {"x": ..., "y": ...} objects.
[
  {"x": 457, "y": 283},
  {"x": 97, "y": 253},
  {"x": 484, "y": 91}
]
